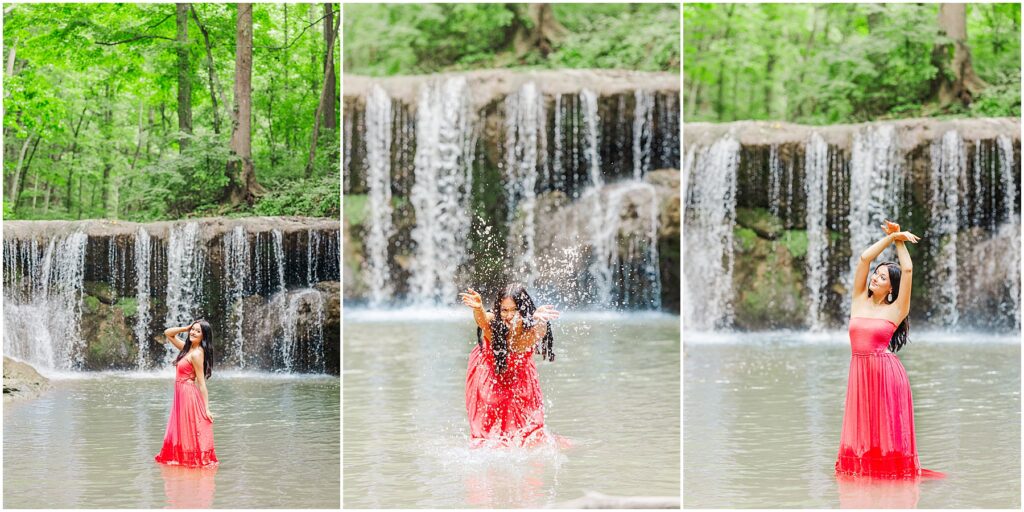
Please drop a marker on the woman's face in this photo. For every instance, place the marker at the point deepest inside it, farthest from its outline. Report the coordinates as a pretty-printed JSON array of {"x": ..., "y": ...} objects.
[
  {"x": 879, "y": 283},
  {"x": 508, "y": 310},
  {"x": 195, "y": 334}
]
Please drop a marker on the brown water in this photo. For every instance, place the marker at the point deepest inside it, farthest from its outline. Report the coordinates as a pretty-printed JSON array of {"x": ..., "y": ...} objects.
[
  {"x": 763, "y": 415},
  {"x": 613, "y": 391},
  {"x": 89, "y": 443}
]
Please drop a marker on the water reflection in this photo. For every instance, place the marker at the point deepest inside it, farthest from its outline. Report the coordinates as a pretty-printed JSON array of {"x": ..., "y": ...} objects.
[
  {"x": 188, "y": 487},
  {"x": 861, "y": 492}
]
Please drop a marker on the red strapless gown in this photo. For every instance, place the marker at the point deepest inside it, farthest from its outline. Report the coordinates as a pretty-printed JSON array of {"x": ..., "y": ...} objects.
[
  {"x": 189, "y": 437},
  {"x": 878, "y": 425},
  {"x": 506, "y": 409}
]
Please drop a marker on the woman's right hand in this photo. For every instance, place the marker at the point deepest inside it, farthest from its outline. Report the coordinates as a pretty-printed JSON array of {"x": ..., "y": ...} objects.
[
  {"x": 905, "y": 236},
  {"x": 890, "y": 227},
  {"x": 472, "y": 299}
]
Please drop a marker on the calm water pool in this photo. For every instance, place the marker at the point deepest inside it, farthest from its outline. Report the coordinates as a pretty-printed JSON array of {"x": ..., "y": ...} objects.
[
  {"x": 89, "y": 442},
  {"x": 613, "y": 391},
  {"x": 763, "y": 415}
]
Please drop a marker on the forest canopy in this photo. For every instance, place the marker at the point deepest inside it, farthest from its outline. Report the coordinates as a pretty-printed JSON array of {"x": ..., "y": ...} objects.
[
  {"x": 844, "y": 63},
  {"x": 404, "y": 39},
  {"x": 142, "y": 111}
]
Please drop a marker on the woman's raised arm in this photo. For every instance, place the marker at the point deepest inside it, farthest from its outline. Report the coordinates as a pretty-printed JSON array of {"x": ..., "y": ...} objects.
[
  {"x": 172, "y": 335},
  {"x": 473, "y": 300}
]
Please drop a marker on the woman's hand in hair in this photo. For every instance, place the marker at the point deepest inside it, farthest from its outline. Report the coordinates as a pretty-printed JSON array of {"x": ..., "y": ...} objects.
[
  {"x": 472, "y": 299},
  {"x": 546, "y": 313},
  {"x": 905, "y": 236}
]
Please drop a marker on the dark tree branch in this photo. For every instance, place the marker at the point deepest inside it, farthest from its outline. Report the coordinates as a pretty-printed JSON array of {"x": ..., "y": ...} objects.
[
  {"x": 289, "y": 45},
  {"x": 136, "y": 38}
]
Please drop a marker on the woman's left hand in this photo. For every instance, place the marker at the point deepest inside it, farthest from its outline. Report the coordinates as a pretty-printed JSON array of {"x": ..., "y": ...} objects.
[{"x": 546, "y": 313}]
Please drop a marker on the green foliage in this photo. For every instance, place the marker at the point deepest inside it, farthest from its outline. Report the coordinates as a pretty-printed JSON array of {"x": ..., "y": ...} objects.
[
  {"x": 317, "y": 197},
  {"x": 97, "y": 85},
  {"x": 839, "y": 63},
  {"x": 395, "y": 39},
  {"x": 355, "y": 208}
]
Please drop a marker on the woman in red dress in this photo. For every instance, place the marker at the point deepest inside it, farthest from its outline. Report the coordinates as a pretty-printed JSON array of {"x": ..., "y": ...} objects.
[
  {"x": 878, "y": 425},
  {"x": 503, "y": 397},
  {"x": 189, "y": 437}
]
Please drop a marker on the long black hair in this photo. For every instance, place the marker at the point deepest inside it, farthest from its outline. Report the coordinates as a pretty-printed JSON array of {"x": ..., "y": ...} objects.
[
  {"x": 500, "y": 332},
  {"x": 206, "y": 344},
  {"x": 900, "y": 337}
]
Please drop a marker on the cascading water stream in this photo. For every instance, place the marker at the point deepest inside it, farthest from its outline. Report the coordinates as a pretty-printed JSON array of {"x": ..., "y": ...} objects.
[
  {"x": 378, "y": 182},
  {"x": 708, "y": 246},
  {"x": 441, "y": 192},
  {"x": 816, "y": 191},
  {"x": 592, "y": 121},
  {"x": 643, "y": 124},
  {"x": 237, "y": 270},
  {"x": 949, "y": 165},
  {"x": 43, "y": 286},
  {"x": 143, "y": 260},
  {"x": 524, "y": 130},
  {"x": 876, "y": 191}
]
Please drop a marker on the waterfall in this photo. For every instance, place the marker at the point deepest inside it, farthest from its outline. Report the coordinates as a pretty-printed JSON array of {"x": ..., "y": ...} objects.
[
  {"x": 558, "y": 178},
  {"x": 709, "y": 221},
  {"x": 948, "y": 162},
  {"x": 43, "y": 285},
  {"x": 378, "y": 181},
  {"x": 643, "y": 123},
  {"x": 876, "y": 191},
  {"x": 289, "y": 306},
  {"x": 624, "y": 256},
  {"x": 237, "y": 270},
  {"x": 774, "y": 181},
  {"x": 143, "y": 258},
  {"x": 278, "y": 247},
  {"x": 1011, "y": 259},
  {"x": 593, "y": 136},
  {"x": 441, "y": 193},
  {"x": 185, "y": 273},
  {"x": 524, "y": 129},
  {"x": 816, "y": 190}
]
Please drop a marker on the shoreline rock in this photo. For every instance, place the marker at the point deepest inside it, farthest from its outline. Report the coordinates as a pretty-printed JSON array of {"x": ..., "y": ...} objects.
[{"x": 22, "y": 381}]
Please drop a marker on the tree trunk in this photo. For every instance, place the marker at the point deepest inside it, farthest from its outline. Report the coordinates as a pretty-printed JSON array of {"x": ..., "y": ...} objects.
[
  {"x": 320, "y": 108},
  {"x": 71, "y": 164},
  {"x": 720, "y": 103},
  {"x": 17, "y": 169},
  {"x": 210, "y": 71},
  {"x": 10, "y": 59},
  {"x": 330, "y": 120},
  {"x": 956, "y": 79},
  {"x": 28, "y": 166},
  {"x": 243, "y": 186},
  {"x": 184, "y": 79},
  {"x": 543, "y": 33}
]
